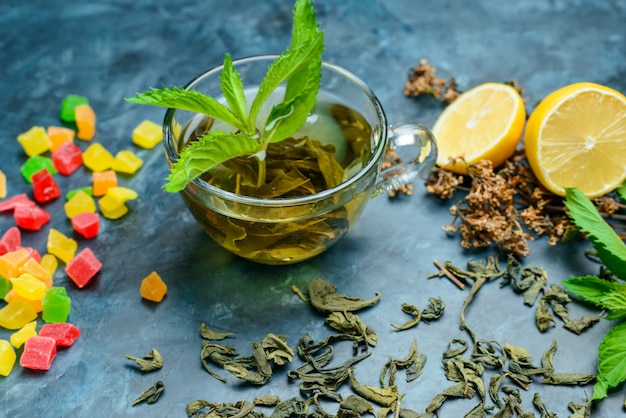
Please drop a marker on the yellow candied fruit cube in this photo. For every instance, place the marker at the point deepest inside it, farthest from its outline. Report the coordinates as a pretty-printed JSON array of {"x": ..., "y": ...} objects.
[
  {"x": 19, "y": 337},
  {"x": 127, "y": 162},
  {"x": 58, "y": 135},
  {"x": 122, "y": 193},
  {"x": 50, "y": 263},
  {"x": 61, "y": 246},
  {"x": 147, "y": 134},
  {"x": 7, "y": 358},
  {"x": 28, "y": 286},
  {"x": 35, "y": 141},
  {"x": 34, "y": 268},
  {"x": 81, "y": 202},
  {"x": 97, "y": 158},
  {"x": 114, "y": 213},
  {"x": 17, "y": 313},
  {"x": 13, "y": 296},
  {"x": 12, "y": 262},
  {"x": 3, "y": 185}
]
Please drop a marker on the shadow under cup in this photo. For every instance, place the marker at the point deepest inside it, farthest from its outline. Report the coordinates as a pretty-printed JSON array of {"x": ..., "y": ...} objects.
[{"x": 282, "y": 230}]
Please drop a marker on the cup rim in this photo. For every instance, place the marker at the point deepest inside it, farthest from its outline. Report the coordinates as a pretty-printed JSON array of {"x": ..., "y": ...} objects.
[{"x": 172, "y": 152}]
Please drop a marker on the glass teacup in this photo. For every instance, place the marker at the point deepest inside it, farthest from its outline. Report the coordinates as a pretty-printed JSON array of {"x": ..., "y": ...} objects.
[{"x": 284, "y": 230}]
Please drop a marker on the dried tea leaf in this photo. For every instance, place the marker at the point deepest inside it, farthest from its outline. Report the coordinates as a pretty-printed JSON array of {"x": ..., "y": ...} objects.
[
  {"x": 453, "y": 352},
  {"x": 412, "y": 310},
  {"x": 385, "y": 396},
  {"x": 409, "y": 413},
  {"x": 541, "y": 407},
  {"x": 351, "y": 324},
  {"x": 150, "y": 362},
  {"x": 194, "y": 409},
  {"x": 266, "y": 400},
  {"x": 413, "y": 363},
  {"x": 543, "y": 318},
  {"x": 458, "y": 390},
  {"x": 517, "y": 353},
  {"x": 489, "y": 353},
  {"x": 324, "y": 298},
  {"x": 209, "y": 334},
  {"x": 434, "y": 310},
  {"x": 494, "y": 387},
  {"x": 569, "y": 378},
  {"x": 579, "y": 325},
  {"x": 477, "y": 412},
  {"x": 580, "y": 410},
  {"x": 356, "y": 405},
  {"x": 218, "y": 354},
  {"x": 152, "y": 394}
]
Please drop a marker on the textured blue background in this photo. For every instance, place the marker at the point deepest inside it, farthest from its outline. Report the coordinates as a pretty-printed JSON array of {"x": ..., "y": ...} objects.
[{"x": 108, "y": 50}]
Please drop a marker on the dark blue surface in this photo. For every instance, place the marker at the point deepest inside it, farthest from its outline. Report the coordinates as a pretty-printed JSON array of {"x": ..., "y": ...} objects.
[{"x": 111, "y": 50}]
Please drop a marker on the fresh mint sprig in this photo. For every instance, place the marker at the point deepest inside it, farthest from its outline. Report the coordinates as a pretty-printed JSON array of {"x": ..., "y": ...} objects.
[
  {"x": 300, "y": 67},
  {"x": 608, "y": 295}
]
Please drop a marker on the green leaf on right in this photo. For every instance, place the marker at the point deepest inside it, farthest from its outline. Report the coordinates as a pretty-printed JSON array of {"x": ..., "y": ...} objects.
[{"x": 611, "y": 361}]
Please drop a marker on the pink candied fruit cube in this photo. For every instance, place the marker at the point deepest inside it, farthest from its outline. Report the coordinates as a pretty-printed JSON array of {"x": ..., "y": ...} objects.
[
  {"x": 32, "y": 218},
  {"x": 15, "y": 201},
  {"x": 38, "y": 353},
  {"x": 11, "y": 240},
  {"x": 63, "y": 333},
  {"x": 67, "y": 158},
  {"x": 83, "y": 267},
  {"x": 87, "y": 224}
]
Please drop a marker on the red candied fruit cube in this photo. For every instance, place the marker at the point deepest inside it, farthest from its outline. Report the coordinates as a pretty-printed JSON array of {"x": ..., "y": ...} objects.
[
  {"x": 33, "y": 253},
  {"x": 45, "y": 188},
  {"x": 63, "y": 333},
  {"x": 38, "y": 353},
  {"x": 83, "y": 267},
  {"x": 31, "y": 218},
  {"x": 15, "y": 201},
  {"x": 11, "y": 240},
  {"x": 87, "y": 224},
  {"x": 67, "y": 158}
]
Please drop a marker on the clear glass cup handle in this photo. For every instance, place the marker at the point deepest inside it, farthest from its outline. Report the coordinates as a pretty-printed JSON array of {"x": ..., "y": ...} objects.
[{"x": 408, "y": 135}]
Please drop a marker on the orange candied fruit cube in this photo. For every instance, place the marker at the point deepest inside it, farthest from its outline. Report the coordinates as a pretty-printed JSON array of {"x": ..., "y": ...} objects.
[
  {"x": 35, "y": 269},
  {"x": 85, "y": 122},
  {"x": 12, "y": 262},
  {"x": 3, "y": 185},
  {"x": 103, "y": 181},
  {"x": 58, "y": 135},
  {"x": 153, "y": 288}
]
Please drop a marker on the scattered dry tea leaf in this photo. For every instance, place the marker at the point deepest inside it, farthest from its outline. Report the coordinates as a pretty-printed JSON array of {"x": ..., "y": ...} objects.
[
  {"x": 323, "y": 297},
  {"x": 152, "y": 394},
  {"x": 150, "y": 362}
]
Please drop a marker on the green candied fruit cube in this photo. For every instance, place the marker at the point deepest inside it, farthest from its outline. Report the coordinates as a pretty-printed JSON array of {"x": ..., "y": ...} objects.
[
  {"x": 56, "y": 305},
  {"x": 68, "y": 106},
  {"x": 87, "y": 190},
  {"x": 34, "y": 164},
  {"x": 5, "y": 286}
]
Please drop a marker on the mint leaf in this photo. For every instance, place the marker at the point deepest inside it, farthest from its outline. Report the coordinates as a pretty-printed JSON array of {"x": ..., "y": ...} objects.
[
  {"x": 615, "y": 303},
  {"x": 232, "y": 88},
  {"x": 591, "y": 288},
  {"x": 207, "y": 152},
  {"x": 191, "y": 100},
  {"x": 611, "y": 249},
  {"x": 611, "y": 361},
  {"x": 290, "y": 62}
]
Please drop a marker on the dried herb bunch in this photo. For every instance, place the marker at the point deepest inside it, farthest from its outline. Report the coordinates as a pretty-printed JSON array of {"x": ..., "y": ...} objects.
[{"x": 507, "y": 206}]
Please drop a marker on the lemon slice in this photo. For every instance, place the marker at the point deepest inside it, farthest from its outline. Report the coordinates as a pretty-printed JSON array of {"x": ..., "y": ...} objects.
[
  {"x": 576, "y": 137},
  {"x": 485, "y": 122}
]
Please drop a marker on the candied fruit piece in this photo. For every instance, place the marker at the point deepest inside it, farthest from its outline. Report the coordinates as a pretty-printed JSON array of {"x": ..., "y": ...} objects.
[
  {"x": 127, "y": 162},
  {"x": 34, "y": 164},
  {"x": 83, "y": 267},
  {"x": 81, "y": 202},
  {"x": 5, "y": 287},
  {"x": 3, "y": 185},
  {"x": 12, "y": 262},
  {"x": 11, "y": 240},
  {"x": 35, "y": 141},
  {"x": 65, "y": 334},
  {"x": 15, "y": 201},
  {"x": 85, "y": 119},
  {"x": 56, "y": 305},
  {"x": 7, "y": 358},
  {"x": 13, "y": 296},
  {"x": 50, "y": 263},
  {"x": 147, "y": 134},
  {"x": 88, "y": 190},
  {"x": 28, "y": 286},
  {"x": 38, "y": 353},
  {"x": 97, "y": 158},
  {"x": 34, "y": 268},
  {"x": 45, "y": 188},
  {"x": 30, "y": 218},
  {"x": 67, "y": 158},
  {"x": 102, "y": 181},
  {"x": 68, "y": 106},
  {"x": 87, "y": 224},
  {"x": 19, "y": 337},
  {"x": 61, "y": 246},
  {"x": 153, "y": 288},
  {"x": 60, "y": 135},
  {"x": 16, "y": 314}
]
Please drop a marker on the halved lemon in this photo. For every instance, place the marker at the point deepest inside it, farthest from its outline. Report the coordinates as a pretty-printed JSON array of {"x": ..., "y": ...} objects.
[
  {"x": 485, "y": 122},
  {"x": 576, "y": 137}
]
